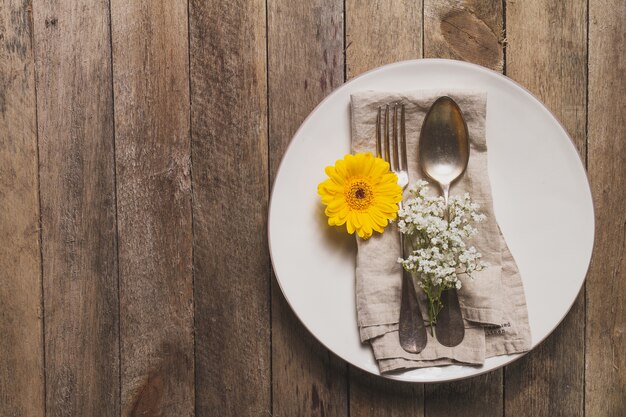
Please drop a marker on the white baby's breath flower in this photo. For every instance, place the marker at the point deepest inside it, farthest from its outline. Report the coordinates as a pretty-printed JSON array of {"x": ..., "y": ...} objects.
[{"x": 440, "y": 253}]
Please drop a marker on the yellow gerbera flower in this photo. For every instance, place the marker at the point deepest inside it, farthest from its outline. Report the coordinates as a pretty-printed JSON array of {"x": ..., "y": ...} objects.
[{"x": 361, "y": 193}]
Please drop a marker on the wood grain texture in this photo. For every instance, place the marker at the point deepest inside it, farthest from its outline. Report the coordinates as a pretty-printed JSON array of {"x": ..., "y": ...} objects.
[
  {"x": 380, "y": 32},
  {"x": 372, "y": 396},
  {"x": 75, "y": 120},
  {"x": 305, "y": 52},
  {"x": 547, "y": 53},
  {"x": 230, "y": 184},
  {"x": 151, "y": 88},
  {"x": 305, "y": 58},
  {"x": 605, "y": 370},
  {"x": 59, "y": 148},
  {"x": 467, "y": 30},
  {"x": 478, "y": 396},
  {"x": 21, "y": 338},
  {"x": 308, "y": 380}
]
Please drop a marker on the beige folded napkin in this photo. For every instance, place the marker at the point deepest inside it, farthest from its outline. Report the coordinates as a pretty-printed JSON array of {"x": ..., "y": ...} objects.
[{"x": 493, "y": 303}]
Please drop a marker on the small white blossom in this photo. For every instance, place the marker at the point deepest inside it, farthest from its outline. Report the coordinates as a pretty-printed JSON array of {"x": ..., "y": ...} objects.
[{"x": 439, "y": 253}]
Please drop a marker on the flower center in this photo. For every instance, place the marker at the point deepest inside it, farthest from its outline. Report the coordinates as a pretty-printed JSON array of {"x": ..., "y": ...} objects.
[{"x": 359, "y": 195}]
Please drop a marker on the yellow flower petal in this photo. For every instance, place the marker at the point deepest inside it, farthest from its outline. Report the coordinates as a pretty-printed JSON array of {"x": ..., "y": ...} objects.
[
  {"x": 350, "y": 227},
  {"x": 340, "y": 166},
  {"x": 334, "y": 175},
  {"x": 353, "y": 218},
  {"x": 365, "y": 232},
  {"x": 378, "y": 218},
  {"x": 361, "y": 193}
]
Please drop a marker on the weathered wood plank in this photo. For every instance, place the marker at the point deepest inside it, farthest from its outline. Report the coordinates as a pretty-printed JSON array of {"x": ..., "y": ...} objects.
[
  {"x": 151, "y": 90},
  {"x": 230, "y": 185},
  {"x": 21, "y": 343},
  {"x": 605, "y": 370},
  {"x": 546, "y": 53},
  {"x": 468, "y": 30},
  {"x": 75, "y": 119},
  {"x": 478, "y": 396},
  {"x": 308, "y": 380},
  {"x": 305, "y": 41},
  {"x": 378, "y": 33},
  {"x": 373, "y": 396}
]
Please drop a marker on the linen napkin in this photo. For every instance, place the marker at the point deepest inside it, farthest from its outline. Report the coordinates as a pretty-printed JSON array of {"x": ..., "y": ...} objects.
[{"x": 493, "y": 302}]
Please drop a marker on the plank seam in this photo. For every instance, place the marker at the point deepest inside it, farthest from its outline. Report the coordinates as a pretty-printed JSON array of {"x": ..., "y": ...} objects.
[
  {"x": 423, "y": 31},
  {"x": 423, "y": 53},
  {"x": 348, "y": 401},
  {"x": 192, "y": 205},
  {"x": 117, "y": 247},
  {"x": 587, "y": 106},
  {"x": 345, "y": 78},
  {"x": 584, "y": 393},
  {"x": 503, "y": 391},
  {"x": 40, "y": 220},
  {"x": 269, "y": 188},
  {"x": 345, "y": 45},
  {"x": 504, "y": 36},
  {"x": 504, "y": 71}
]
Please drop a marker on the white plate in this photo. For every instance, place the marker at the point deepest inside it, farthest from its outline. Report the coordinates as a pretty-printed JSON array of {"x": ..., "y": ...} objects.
[{"x": 541, "y": 196}]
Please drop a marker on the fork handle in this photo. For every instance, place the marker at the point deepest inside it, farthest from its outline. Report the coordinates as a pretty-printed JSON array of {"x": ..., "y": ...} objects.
[{"x": 412, "y": 331}]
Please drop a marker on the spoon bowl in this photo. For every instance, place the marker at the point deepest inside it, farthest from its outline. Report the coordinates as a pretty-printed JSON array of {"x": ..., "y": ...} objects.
[{"x": 444, "y": 143}]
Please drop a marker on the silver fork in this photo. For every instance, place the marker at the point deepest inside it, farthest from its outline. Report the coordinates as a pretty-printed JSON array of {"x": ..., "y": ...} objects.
[{"x": 412, "y": 331}]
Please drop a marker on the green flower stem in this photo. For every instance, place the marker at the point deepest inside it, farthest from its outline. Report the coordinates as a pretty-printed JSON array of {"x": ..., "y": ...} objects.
[{"x": 433, "y": 294}]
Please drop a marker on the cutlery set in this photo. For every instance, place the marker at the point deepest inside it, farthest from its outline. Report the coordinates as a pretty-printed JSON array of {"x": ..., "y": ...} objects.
[
  {"x": 399, "y": 314},
  {"x": 443, "y": 155}
]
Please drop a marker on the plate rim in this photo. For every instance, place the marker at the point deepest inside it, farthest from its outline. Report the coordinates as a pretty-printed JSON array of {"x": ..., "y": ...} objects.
[{"x": 421, "y": 61}]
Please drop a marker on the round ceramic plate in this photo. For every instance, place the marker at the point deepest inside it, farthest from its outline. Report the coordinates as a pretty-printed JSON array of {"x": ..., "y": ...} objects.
[{"x": 541, "y": 199}]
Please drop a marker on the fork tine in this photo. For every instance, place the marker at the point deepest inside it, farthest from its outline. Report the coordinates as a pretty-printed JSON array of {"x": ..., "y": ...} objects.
[
  {"x": 396, "y": 163},
  {"x": 403, "y": 159},
  {"x": 387, "y": 158},
  {"x": 378, "y": 138}
]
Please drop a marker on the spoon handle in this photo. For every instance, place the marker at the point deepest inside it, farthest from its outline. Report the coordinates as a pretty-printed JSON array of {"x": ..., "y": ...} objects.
[
  {"x": 450, "y": 329},
  {"x": 445, "y": 188},
  {"x": 450, "y": 326},
  {"x": 412, "y": 331}
]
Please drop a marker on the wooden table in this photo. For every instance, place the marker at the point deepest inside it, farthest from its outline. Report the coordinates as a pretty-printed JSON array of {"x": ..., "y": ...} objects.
[{"x": 139, "y": 142}]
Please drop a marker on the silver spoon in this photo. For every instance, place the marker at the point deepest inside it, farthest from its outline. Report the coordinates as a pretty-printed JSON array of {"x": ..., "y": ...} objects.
[{"x": 443, "y": 156}]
